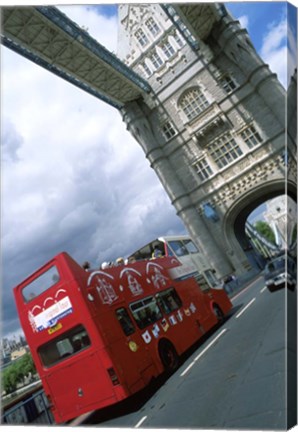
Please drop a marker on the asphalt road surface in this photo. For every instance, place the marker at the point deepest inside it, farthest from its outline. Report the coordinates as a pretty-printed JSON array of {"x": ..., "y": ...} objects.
[{"x": 236, "y": 378}]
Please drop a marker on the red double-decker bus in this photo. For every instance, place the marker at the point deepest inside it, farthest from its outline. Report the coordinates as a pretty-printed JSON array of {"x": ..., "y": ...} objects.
[{"x": 98, "y": 337}]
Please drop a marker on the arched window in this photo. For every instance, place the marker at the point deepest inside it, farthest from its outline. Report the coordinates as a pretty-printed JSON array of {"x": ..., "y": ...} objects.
[
  {"x": 178, "y": 39},
  {"x": 141, "y": 37},
  {"x": 168, "y": 50},
  {"x": 193, "y": 103},
  {"x": 145, "y": 69},
  {"x": 156, "y": 60},
  {"x": 152, "y": 26}
]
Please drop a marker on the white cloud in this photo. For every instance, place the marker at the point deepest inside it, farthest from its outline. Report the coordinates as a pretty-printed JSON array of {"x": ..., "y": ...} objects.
[
  {"x": 275, "y": 38},
  {"x": 274, "y": 49},
  {"x": 101, "y": 28},
  {"x": 244, "y": 21},
  {"x": 292, "y": 53}
]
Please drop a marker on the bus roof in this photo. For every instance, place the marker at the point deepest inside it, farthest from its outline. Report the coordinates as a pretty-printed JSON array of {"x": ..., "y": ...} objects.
[{"x": 174, "y": 237}]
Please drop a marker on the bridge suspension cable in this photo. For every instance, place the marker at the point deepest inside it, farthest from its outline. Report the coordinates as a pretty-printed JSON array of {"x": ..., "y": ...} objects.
[{"x": 265, "y": 245}]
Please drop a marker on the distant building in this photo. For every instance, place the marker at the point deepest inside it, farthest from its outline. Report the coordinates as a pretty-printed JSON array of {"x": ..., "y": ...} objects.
[
  {"x": 18, "y": 353},
  {"x": 281, "y": 214}
]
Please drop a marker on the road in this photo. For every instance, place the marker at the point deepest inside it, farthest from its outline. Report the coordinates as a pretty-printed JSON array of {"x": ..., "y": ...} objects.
[{"x": 235, "y": 379}]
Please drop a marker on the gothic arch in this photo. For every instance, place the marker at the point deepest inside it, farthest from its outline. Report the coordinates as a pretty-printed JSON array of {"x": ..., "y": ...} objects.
[
  {"x": 189, "y": 90},
  {"x": 236, "y": 216},
  {"x": 192, "y": 102}
]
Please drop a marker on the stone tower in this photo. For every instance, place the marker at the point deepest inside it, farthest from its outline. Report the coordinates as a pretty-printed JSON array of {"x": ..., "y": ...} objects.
[{"x": 213, "y": 128}]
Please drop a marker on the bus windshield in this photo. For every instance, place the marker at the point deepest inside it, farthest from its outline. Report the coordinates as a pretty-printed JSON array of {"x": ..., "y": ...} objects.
[
  {"x": 183, "y": 247},
  {"x": 39, "y": 285}
]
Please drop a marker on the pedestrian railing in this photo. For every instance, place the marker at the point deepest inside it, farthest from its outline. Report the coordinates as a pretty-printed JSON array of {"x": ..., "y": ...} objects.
[{"x": 34, "y": 409}]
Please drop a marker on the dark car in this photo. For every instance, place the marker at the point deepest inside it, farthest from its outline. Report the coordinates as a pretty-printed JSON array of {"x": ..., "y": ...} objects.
[{"x": 280, "y": 272}]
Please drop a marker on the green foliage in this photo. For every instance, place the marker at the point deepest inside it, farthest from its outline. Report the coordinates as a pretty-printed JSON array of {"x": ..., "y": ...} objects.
[
  {"x": 10, "y": 379},
  {"x": 17, "y": 372},
  {"x": 26, "y": 364},
  {"x": 265, "y": 230}
]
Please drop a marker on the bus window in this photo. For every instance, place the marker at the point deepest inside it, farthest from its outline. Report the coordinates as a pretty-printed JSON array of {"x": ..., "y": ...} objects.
[
  {"x": 202, "y": 282},
  {"x": 146, "y": 251},
  {"x": 169, "y": 300},
  {"x": 214, "y": 282},
  {"x": 145, "y": 312},
  {"x": 125, "y": 321},
  {"x": 190, "y": 246},
  {"x": 178, "y": 248},
  {"x": 45, "y": 281},
  {"x": 69, "y": 343}
]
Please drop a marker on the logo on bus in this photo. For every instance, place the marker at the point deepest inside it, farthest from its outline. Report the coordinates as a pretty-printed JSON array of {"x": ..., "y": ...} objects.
[
  {"x": 41, "y": 317},
  {"x": 134, "y": 286},
  {"x": 157, "y": 277},
  {"x": 104, "y": 288}
]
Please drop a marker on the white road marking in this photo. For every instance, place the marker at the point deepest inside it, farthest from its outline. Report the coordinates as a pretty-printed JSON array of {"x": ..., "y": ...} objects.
[
  {"x": 187, "y": 369},
  {"x": 245, "y": 289},
  {"x": 247, "y": 306},
  {"x": 140, "y": 422},
  {"x": 263, "y": 289},
  {"x": 203, "y": 352}
]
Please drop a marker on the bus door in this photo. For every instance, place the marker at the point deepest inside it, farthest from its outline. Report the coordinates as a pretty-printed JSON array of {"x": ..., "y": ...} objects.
[
  {"x": 133, "y": 345},
  {"x": 75, "y": 374},
  {"x": 128, "y": 352}
]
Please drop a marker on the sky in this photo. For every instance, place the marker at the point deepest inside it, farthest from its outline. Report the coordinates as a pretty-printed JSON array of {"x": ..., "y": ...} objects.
[{"x": 72, "y": 177}]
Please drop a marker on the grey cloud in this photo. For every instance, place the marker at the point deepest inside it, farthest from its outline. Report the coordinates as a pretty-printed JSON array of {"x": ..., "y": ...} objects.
[{"x": 11, "y": 142}]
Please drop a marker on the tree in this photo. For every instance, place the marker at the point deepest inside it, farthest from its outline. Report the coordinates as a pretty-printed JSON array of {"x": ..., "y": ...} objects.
[
  {"x": 16, "y": 373},
  {"x": 265, "y": 230},
  {"x": 10, "y": 379},
  {"x": 27, "y": 365}
]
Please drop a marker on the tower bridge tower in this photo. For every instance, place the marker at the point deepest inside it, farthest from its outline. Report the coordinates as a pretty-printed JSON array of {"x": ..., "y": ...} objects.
[{"x": 213, "y": 127}]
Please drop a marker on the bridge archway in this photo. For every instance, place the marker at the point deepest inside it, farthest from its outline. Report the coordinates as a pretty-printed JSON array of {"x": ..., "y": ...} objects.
[{"x": 236, "y": 217}]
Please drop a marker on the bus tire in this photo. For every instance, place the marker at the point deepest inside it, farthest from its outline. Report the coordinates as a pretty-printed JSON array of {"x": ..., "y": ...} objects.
[
  {"x": 218, "y": 313},
  {"x": 168, "y": 355}
]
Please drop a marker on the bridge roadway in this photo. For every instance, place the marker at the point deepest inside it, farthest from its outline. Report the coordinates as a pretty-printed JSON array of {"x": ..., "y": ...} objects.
[{"x": 235, "y": 379}]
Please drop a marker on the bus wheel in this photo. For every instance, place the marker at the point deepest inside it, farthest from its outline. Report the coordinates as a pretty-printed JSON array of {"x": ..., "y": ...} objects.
[
  {"x": 168, "y": 355},
  {"x": 218, "y": 313}
]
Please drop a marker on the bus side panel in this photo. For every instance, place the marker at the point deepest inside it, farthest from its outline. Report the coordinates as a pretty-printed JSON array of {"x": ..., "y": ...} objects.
[
  {"x": 185, "y": 325},
  {"x": 130, "y": 356},
  {"x": 220, "y": 297},
  {"x": 137, "y": 363},
  {"x": 201, "y": 318}
]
